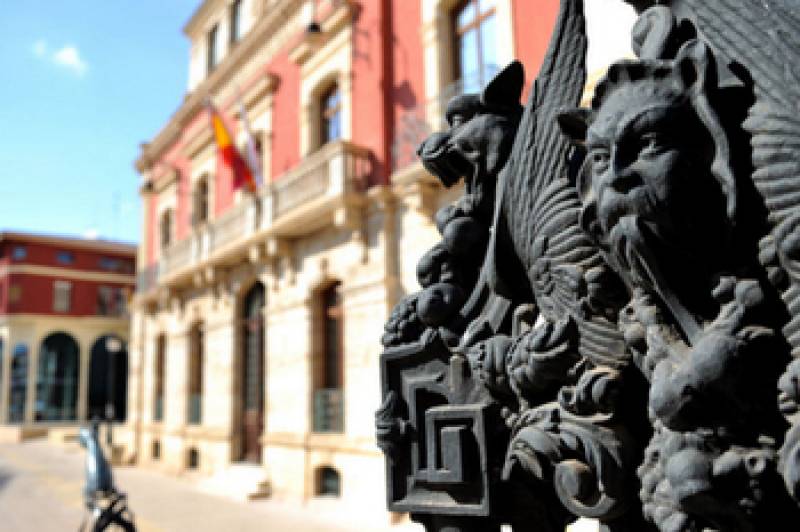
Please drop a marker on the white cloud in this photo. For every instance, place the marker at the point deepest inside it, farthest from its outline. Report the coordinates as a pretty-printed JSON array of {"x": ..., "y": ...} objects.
[
  {"x": 91, "y": 234},
  {"x": 40, "y": 48},
  {"x": 69, "y": 57}
]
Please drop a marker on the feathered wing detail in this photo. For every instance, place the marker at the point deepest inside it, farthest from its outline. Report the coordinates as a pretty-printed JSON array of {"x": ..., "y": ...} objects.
[
  {"x": 763, "y": 36},
  {"x": 539, "y": 205}
]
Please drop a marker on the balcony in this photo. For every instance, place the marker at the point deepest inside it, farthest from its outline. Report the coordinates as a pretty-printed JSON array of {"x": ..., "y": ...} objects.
[
  {"x": 326, "y": 188},
  {"x": 328, "y": 410},
  {"x": 319, "y": 190}
]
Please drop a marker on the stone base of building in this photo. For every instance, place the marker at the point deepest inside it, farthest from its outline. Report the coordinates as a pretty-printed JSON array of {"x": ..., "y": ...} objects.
[{"x": 20, "y": 433}]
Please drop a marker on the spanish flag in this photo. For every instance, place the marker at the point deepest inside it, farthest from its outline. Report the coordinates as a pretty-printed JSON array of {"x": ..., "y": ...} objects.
[{"x": 227, "y": 152}]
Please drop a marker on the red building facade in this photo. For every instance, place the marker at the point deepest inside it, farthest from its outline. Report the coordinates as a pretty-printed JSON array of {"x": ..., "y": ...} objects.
[{"x": 63, "y": 301}]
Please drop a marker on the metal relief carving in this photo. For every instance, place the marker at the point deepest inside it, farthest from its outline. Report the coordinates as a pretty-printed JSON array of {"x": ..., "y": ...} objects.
[{"x": 610, "y": 327}]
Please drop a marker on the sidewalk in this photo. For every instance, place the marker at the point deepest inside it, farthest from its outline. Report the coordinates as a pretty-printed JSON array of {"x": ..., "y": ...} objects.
[{"x": 40, "y": 490}]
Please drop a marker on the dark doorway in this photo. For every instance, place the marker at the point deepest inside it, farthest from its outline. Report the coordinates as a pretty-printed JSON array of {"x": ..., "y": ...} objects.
[
  {"x": 57, "y": 380},
  {"x": 108, "y": 379},
  {"x": 252, "y": 377}
]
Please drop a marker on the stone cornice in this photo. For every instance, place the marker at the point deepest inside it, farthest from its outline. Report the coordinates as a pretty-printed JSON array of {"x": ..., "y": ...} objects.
[
  {"x": 201, "y": 14},
  {"x": 104, "y": 246},
  {"x": 67, "y": 273}
]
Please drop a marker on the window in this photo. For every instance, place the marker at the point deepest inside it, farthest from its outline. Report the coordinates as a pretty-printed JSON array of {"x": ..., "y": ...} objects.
[
  {"x": 474, "y": 25},
  {"x": 211, "y": 56},
  {"x": 328, "y": 482},
  {"x": 331, "y": 119},
  {"x": 57, "y": 379},
  {"x": 111, "y": 301},
  {"x": 155, "y": 449},
  {"x": 110, "y": 264},
  {"x": 328, "y": 370},
  {"x": 166, "y": 229},
  {"x": 332, "y": 316},
  {"x": 158, "y": 385},
  {"x": 14, "y": 293},
  {"x": 194, "y": 414},
  {"x": 193, "y": 458},
  {"x": 252, "y": 373},
  {"x": 200, "y": 212},
  {"x": 65, "y": 257},
  {"x": 18, "y": 388},
  {"x": 235, "y": 21},
  {"x": 19, "y": 253},
  {"x": 62, "y": 296}
]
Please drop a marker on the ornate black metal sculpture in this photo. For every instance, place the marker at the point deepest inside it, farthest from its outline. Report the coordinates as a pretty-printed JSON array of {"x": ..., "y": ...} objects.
[
  {"x": 610, "y": 327},
  {"x": 107, "y": 505}
]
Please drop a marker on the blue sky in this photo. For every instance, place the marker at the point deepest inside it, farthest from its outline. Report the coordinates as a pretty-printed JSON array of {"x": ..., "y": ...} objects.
[{"x": 84, "y": 82}]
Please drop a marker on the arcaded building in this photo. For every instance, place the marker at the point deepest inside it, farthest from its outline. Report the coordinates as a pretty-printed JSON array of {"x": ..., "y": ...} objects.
[
  {"x": 63, "y": 332},
  {"x": 257, "y": 316}
]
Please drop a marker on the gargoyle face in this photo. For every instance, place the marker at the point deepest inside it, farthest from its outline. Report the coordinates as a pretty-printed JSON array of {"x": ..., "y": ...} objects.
[
  {"x": 643, "y": 163},
  {"x": 658, "y": 177},
  {"x": 481, "y": 132}
]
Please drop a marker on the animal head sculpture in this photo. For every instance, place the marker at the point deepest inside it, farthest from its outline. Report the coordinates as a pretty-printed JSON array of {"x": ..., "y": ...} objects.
[{"x": 480, "y": 135}]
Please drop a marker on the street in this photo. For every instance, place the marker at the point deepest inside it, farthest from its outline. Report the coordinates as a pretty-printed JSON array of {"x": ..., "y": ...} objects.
[{"x": 41, "y": 483}]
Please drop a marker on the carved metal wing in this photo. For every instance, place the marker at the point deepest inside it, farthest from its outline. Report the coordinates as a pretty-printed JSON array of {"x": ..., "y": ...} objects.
[{"x": 539, "y": 207}]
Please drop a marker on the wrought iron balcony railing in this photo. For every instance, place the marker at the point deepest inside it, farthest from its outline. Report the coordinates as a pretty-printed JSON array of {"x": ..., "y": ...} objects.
[{"x": 328, "y": 410}]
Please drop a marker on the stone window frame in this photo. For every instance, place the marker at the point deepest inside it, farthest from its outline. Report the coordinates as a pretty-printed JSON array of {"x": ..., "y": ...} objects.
[
  {"x": 203, "y": 180},
  {"x": 438, "y": 47},
  {"x": 166, "y": 228},
  {"x": 62, "y": 296},
  {"x": 332, "y": 63},
  {"x": 203, "y": 166}
]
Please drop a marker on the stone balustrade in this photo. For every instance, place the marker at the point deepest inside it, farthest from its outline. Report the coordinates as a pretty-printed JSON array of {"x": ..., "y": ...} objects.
[{"x": 326, "y": 181}]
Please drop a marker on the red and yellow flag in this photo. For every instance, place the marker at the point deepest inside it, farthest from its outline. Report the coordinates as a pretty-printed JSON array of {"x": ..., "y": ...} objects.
[{"x": 228, "y": 154}]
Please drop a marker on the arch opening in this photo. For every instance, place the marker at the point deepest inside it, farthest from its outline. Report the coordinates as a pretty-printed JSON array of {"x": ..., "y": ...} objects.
[{"x": 57, "y": 379}]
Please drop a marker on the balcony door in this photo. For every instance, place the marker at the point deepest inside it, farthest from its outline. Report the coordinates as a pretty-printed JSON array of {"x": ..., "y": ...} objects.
[{"x": 252, "y": 378}]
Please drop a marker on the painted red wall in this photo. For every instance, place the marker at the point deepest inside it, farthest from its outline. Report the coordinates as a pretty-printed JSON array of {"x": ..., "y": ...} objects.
[
  {"x": 372, "y": 84},
  {"x": 533, "y": 24},
  {"x": 285, "y": 115},
  {"x": 36, "y": 295},
  {"x": 407, "y": 93}
]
